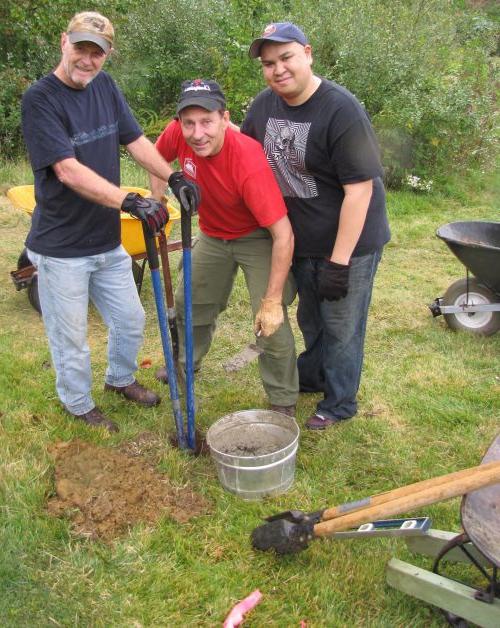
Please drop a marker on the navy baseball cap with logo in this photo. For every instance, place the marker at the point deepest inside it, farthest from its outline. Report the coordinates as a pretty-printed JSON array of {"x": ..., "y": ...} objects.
[
  {"x": 278, "y": 32},
  {"x": 201, "y": 93}
]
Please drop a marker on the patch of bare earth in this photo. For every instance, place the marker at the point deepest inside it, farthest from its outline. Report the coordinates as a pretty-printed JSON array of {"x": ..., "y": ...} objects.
[{"x": 105, "y": 492}]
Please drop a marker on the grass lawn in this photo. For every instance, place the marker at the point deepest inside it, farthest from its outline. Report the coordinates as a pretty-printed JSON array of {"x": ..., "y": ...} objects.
[{"x": 429, "y": 405}]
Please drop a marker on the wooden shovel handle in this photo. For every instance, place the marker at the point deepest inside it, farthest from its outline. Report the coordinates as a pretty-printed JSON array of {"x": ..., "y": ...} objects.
[
  {"x": 409, "y": 489},
  {"x": 165, "y": 264},
  {"x": 471, "y": 480}
]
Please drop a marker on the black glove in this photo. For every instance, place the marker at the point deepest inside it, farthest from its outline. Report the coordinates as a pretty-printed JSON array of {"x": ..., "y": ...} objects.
[
  {"x": 333, "y": 281},
  {"x": 152, "y": 212},
  {"x": 186, "y": 191}
]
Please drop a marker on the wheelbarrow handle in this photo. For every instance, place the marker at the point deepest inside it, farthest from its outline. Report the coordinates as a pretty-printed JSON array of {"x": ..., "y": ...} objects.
[{"x": 154, "y": 265}]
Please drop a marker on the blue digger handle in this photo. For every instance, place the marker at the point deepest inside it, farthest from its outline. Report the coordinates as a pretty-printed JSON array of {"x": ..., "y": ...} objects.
[
  {"x": 188, "y": 332},
  {"x": 154, "y": 265}
]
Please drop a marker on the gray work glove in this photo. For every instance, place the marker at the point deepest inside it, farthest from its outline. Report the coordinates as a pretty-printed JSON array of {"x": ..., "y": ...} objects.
[
  {"x": 333, "y": 281},
  {"x": 187, "y": 192},
  {"x": 152, "y": 212}
]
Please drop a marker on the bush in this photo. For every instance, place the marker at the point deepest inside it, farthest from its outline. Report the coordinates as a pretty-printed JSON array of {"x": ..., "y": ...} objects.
[
  {"x": 424, "y": 72},
  {"x": 30, "y": 33},
  {"x": 165, "y": 42}
]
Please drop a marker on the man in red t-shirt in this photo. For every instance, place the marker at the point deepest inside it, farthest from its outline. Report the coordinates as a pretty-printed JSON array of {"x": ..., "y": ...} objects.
[{"x": 243, "y": 224}]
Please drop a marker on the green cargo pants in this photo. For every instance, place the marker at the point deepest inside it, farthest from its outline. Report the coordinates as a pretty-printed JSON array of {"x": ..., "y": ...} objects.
[{"x": 215, "y": 263}]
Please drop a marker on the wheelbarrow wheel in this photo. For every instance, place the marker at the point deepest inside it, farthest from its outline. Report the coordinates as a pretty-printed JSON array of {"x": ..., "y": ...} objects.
[
  {"x": 484, "y": 323},
  {"x": 32, "y": 288}
]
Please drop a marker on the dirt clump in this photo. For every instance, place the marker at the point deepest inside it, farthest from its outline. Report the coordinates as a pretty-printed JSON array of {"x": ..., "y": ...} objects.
[{"x": 105, "y": 492}]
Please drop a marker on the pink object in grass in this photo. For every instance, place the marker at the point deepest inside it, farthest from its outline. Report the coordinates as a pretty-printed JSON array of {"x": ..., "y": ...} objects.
[{"x": 235, "y": 616}]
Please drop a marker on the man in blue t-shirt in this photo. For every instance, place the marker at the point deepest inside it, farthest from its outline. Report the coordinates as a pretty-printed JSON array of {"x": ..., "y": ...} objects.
[
  {"x": 74, "y": 121},
  {"x": 320, "y": 144}
]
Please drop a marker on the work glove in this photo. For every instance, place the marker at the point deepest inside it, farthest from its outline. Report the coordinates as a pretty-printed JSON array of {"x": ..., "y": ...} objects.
[
  {"x": 269, "y": 317},
  {"x": 333, "y": 281},
  {"x": 151, "y": 212},
  {"x": 187, "y": 192}
]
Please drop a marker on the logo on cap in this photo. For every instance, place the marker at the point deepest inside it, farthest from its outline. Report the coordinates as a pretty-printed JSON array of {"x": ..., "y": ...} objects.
[
  {"x": 269, "y": 30},
  {"x": 97, "y": 23},
  {"x": 197, "y": 85}
]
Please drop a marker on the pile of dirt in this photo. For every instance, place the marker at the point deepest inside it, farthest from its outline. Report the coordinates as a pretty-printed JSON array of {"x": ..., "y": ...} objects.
[{"x": 104, "y": 492}]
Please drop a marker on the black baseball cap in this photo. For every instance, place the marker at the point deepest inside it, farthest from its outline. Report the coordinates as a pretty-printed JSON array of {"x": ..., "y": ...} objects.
[
  {"x": 201, "y": 93},
  {"x": 279, "y": 32}
]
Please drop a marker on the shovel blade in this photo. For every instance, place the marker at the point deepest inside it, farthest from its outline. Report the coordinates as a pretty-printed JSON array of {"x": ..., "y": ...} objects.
[{"x": 244, "y": 357}]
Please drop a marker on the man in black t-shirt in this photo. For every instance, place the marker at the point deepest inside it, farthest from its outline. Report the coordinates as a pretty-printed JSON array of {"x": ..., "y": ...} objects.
[
  {"x": 74, "y": 121},
  {"x": 320, "y": 144}
]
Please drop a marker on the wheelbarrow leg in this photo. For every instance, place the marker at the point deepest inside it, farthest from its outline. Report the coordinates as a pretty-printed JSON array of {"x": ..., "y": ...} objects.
[
  {"x": 154, "y": 265},
  {"x": 138, "y": 272}
]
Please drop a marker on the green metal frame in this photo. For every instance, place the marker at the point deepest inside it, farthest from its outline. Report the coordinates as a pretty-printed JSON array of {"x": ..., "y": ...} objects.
[{"x": 451, "y": 596}]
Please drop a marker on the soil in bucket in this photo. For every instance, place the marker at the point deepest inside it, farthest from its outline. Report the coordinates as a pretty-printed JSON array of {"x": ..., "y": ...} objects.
[{"x": 249, "y": 441}]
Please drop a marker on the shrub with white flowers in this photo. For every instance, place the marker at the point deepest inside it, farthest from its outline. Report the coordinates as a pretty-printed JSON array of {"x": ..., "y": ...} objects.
[{"x": 417, "y": 183}]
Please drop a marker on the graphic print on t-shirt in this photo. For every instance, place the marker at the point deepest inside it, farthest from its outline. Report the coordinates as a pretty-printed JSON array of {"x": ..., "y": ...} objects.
[
  {"x": 189, "y": 167},
  {"x": 285, "y": 148},
  {"x": 95, "y": 134}
]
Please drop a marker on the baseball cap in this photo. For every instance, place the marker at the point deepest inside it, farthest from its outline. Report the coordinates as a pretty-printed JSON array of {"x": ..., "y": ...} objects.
[
  {"x": 280, "y": 32},
  {"x": 91, "y": 26},
  {"x": 201, "y": 93}
]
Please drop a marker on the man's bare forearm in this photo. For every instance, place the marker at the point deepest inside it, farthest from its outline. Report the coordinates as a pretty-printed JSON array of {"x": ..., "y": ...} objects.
[
  {"x": 352, "y": 220},
  {"x": 87, "y": 183},
  {"x": 158, "y": 187},
  {"x": 281, "y": 258}
]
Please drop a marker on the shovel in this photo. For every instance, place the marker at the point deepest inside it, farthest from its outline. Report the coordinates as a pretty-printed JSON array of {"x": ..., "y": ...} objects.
[
  {"x": 290, "y": 532},
  {"x": 244, "y": 357}
]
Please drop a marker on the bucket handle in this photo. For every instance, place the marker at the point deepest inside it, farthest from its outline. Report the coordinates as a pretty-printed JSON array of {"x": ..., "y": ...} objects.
[{"x": 262, "y": 467}]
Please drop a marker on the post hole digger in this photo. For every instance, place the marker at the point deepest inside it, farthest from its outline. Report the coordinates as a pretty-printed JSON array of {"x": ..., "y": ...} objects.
[
  {"x": 186, "y": 439},
  {"x": 154, "y": 267},
  {"x": 290, "y": 532}
]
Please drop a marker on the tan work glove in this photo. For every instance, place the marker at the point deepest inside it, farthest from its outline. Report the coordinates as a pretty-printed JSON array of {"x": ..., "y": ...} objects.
[{"x": 269, "y": 317}]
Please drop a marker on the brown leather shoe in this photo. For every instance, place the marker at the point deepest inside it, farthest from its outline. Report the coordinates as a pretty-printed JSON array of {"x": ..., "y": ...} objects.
[
  {"x": 136, "y": 392},
  {"x": 288, "y": 410},
  {"x": 96, "y": 418}
]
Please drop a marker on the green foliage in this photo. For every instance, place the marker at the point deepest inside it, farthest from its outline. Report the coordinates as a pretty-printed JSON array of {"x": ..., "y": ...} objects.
[
  {"x": 426, "y": 70},
  {"x": 30, "y": 33},
  {"x": 160, "y": 46},
  {"x": 166, "y": 42}
]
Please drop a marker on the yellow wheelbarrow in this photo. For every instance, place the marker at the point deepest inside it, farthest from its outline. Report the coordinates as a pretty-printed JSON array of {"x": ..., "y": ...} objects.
[{"x": 23, "y": 197}]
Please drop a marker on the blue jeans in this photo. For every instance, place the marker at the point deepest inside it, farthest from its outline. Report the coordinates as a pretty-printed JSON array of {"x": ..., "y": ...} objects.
[
  {"x": 65, "y": 286},
  {"x": 334, "y": 334}
]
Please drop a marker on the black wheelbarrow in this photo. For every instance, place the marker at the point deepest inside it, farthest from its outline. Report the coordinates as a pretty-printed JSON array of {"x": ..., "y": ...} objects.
[{"x": 472, "y": 303}]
